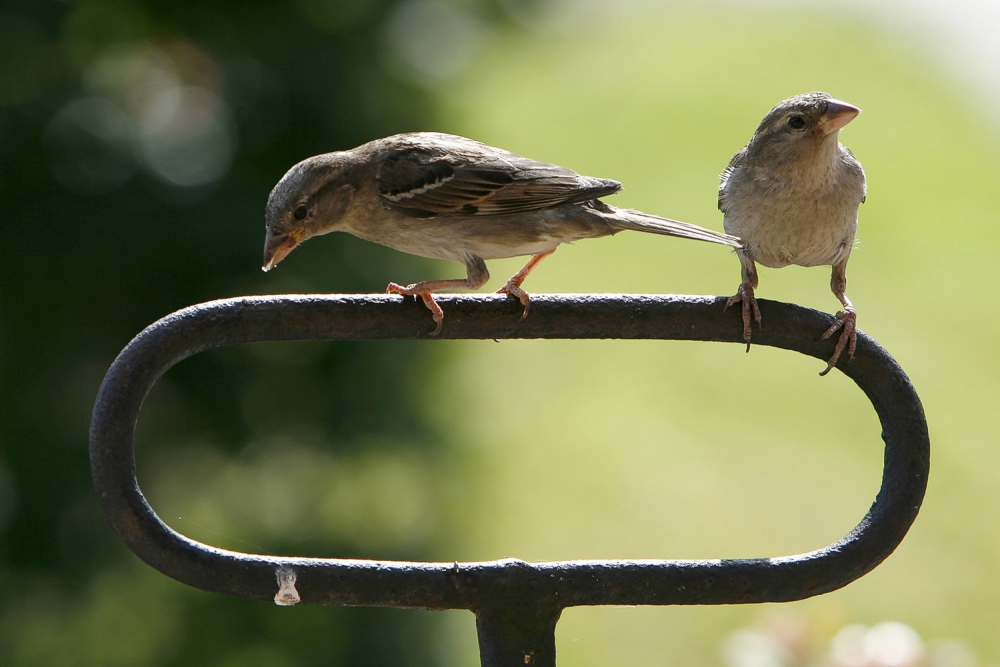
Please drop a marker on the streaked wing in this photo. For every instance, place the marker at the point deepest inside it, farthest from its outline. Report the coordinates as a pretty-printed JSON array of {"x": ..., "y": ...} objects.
[
  {"x": 734, "y": 163},
  {"x": 430, "y": 174}
]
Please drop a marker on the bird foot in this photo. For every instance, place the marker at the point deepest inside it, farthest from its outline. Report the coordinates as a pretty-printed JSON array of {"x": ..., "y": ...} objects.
[
  {"x": 846, "y": 323},
  {"x": 428, "y": 298},
  {"x": 514, "y": 289},
  {"x": 745, "y": 294}
]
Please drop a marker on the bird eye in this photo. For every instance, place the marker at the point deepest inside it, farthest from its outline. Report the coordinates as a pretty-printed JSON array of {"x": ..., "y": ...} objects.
[
  {"x": 796, "y": 122},
  {"x": 300, "y": 212}
]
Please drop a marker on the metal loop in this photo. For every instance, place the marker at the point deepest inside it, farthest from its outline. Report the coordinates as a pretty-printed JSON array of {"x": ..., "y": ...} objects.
[{"x": 516, "y": 603}]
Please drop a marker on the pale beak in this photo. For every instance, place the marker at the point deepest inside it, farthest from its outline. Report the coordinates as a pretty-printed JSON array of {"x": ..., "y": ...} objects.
[
  {"x": 276, "y": 248},
  {"x": 837, "y": 115}
]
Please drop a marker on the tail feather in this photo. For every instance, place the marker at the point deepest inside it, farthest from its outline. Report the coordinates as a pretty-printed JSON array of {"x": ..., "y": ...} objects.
[{"x": 624, "y": 218}]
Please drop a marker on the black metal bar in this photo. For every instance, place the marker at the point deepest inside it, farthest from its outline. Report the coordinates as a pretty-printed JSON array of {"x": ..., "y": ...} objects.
[
  {"x": 517, "y": 631},
  {"x": 517, "y": 603}
]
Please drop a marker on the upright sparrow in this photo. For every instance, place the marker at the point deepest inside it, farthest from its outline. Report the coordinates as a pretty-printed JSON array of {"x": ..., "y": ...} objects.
[{"x": 792, "y": 196}]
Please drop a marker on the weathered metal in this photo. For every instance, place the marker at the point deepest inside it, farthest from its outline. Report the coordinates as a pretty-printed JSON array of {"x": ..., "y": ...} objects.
[{"x": 517, "y": 604}]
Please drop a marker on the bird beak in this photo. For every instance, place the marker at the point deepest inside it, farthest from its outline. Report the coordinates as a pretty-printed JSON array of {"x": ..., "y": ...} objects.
[
  {"x": 837, "y": 115},
  {"x": 276, "y": 248}
]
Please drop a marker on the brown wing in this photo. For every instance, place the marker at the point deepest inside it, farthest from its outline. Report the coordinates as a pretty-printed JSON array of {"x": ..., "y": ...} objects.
[
  {"x": 429, "y": 174},
  {"x": 734, "y": 164}
]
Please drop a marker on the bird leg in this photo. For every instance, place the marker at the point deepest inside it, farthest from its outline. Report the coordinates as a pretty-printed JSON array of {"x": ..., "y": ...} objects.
[
  {"x": 477, "y": 276},
  {"x": 513, "y": 286},
  {"x": 846, "y": 321},
  {"x": 745, "y": 294}
]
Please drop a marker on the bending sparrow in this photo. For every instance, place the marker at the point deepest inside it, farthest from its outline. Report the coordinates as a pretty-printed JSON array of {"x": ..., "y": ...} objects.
[
  {"x": 792, "y": 196},
  {"x": 448, "y": 197}
]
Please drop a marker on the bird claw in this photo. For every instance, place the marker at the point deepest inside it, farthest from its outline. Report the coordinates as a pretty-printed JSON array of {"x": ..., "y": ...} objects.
[
  {"x": 439, "y": 319},
  {"x": 846, "y": 323},
  {"x": 405, "y": 290},
  {"x": 750, "y": 308},
  {"x": 412, "y": 290},
  {"x": 516, "y": 291}
]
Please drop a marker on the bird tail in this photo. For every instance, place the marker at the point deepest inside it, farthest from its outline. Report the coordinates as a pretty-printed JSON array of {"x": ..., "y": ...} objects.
[{"x": 624, "y": 218}]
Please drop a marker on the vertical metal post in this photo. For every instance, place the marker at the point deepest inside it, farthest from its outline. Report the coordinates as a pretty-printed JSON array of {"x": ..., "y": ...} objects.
[{"x": 517, "y": 635}]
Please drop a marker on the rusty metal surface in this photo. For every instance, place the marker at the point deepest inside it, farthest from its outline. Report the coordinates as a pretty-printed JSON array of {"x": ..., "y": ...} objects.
[{"x": 517, "y": 604}]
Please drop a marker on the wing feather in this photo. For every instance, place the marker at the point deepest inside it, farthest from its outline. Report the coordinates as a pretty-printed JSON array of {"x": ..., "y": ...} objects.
[
  {"x": 429, "y": 174},
  {"x": 733, "y": 165}
]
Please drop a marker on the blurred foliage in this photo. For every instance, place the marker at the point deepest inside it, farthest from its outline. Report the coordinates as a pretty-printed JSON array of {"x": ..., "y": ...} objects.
[
  {"x": 684, "y": 450},
  {"x": 783, "y": 640},
  {"x": 139, "y": 140}
]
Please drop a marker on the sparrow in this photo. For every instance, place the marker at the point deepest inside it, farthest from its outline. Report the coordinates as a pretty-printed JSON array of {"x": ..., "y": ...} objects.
[
  {"x": 447, "y": 197},
  {"x": 792, "y": 196}
]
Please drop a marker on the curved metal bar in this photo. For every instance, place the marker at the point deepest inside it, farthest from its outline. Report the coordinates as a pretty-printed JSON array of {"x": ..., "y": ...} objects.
[{"x": 494, "y": 589}]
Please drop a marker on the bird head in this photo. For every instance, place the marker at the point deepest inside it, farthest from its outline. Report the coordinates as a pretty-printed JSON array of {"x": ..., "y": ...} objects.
[
  {"x": 801, "y": 125},
  {"x": 311, "y": 199}
]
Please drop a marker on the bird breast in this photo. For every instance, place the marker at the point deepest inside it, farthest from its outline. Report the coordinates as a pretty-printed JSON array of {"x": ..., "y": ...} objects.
[{"x": 809, "y": 220}]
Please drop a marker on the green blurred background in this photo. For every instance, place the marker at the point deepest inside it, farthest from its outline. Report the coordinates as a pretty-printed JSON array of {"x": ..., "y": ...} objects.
[{"x": 138, "y": 142}]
